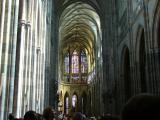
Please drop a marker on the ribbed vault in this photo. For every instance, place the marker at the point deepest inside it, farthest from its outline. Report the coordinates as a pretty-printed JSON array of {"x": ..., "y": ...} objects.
[{"x": 79, "y": 24}]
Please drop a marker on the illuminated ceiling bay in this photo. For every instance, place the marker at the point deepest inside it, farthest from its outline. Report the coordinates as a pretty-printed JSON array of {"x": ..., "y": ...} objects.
[
  {"x": 78, "y": 25},
  {"x": 79, "y": 29}
]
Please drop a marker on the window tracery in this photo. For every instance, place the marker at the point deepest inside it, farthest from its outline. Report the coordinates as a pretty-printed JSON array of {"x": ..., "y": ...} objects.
[
  {"x": 75, "y": 66},
  {"x": 66, "y": 62},
  {"x": 75, "y": 62}
]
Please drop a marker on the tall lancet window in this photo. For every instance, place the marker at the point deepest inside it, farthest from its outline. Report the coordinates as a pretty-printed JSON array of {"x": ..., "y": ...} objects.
[
  {"x": 67, "y": 104},
  {"x": 74, "y": 101},
  {"x": 75, "y": 62},
  {"x": 66, "y": 63},
  {"x": 84, "y": 65}
]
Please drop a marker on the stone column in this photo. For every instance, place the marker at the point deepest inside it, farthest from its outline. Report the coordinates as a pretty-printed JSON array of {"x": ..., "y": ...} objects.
[
  {"x": 26, "y": 74},
  {"x": 35, "y": 38},
  {"x": 31, "y": 52},
  {"x": 27, "y": 58},
  {"x": 3, "y": 97},
  {"x": 2, "y": 28},
  {"x": 42, "y": 62},
  {"x": 29, "y": 66},
  {"x": 38, "y": 79},
  {"x": 5, "y": 57},
  {"x": 41, "y": 34},
  {"x": 14, "y": 45},
  {"x": 6, "y": 41},
  {"x": 21, "y": 70},
  {"x": 80, "y": 62},
  {"x": 43, "y": 82},
  {"x": 1, "y": 39},
  {"x": 44, "y": 41},
  {"x": 70, "y": 66},
  {"x": 21, "y": 76},
  {"x": 154, "y": 68}
]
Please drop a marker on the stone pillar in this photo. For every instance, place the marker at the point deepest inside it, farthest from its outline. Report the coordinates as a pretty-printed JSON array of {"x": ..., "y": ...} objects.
[
  {"x": 70, "y": 66},
  {"x": 46, "y": 61},
  {"x": 44, "y": 56},
  {"x": 3, "y": 97},
  {"x": 28, "y": 86},
  {"x": 154, "y": 68},
  {"x": 38, "y": 78},
  {"x": 5, "y": 56},
  {"x": 31, "y": 52},
  {"x": 21, "y": 77},
  {"x": 21, "y": 70},
  {"x": 43, "y": 59},
  {"x": 80, "y": 74},
  {"x": 41, "y": 35},
  {"x": 27, "y": 58},
  {"x": 29, "y": 66},
  {"x": 2, "y": 28},
  {"x": 14, "y": 45},
  {"x": 34, "y": 80}
]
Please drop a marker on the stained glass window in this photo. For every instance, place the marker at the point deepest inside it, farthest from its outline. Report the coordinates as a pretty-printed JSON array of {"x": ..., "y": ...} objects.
[
  {"x": 75, "y": 77},
  {"x": 74, "y": 100},
  {"x": 83, "y": 62},
  {"x": 66, "y": 62},
  {"x": 75, "y": 62},
  {"x": 67, "y": 104}
]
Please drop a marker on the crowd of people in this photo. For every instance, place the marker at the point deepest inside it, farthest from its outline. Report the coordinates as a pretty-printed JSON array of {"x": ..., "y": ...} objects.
[
  {"x": 48, "y": 114},
  {"x": 141, "y": 107}
]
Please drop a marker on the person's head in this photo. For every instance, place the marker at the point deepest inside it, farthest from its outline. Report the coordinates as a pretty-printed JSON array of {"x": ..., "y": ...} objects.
[
  {"x": 48, "y": 113},
  {"x": 30, "y": 115},
  {"x": 39, "y": 116},
  {"x": 78, "y": 116},
  {"x": 142, "y": 107},
  {"x": 11, "y": 116}
]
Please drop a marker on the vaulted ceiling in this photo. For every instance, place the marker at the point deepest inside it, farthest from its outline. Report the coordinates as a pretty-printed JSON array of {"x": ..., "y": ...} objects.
[{"x": 78, "y": 26}]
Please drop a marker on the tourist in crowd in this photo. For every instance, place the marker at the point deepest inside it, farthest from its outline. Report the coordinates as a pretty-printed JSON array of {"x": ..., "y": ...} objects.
[
  {"x": 142, "y": 107},
  {"x": 30, "y": 115},
  {"x": 48, "y": 113}
]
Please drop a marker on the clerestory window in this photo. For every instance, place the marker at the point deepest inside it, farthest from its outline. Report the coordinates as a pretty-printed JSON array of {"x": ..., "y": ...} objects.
[{"x": 75, "y": 66}]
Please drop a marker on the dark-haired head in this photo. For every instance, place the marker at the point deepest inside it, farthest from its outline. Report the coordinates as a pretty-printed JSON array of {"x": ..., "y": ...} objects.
[{"x": 30, "y": 115}]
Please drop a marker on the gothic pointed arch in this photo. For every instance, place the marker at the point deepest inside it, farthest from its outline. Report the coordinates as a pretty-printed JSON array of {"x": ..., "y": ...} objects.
[
  {"x": 83, "y": 102},
  {"x": 142, "y": 62},
  {"x": 155, "y": 46},
  {"x": 66, "y": 103},
  {"x": 94, "y": 3},
  {"x": 89, "y": 103},
  {"x": 75, "y": 102},
  {"x": 156, "y": 26},
  {"x": 126, "y": 72},
  {"x": 141, "y": 59}
]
